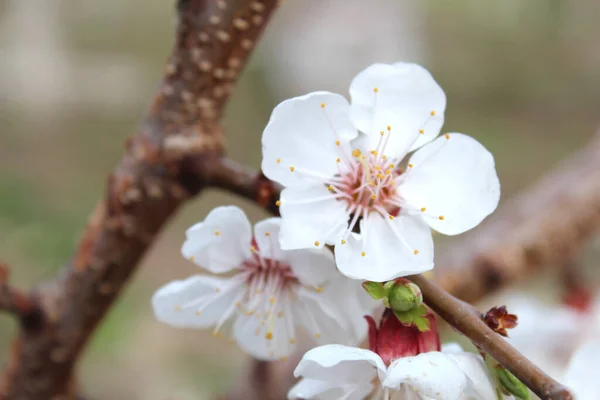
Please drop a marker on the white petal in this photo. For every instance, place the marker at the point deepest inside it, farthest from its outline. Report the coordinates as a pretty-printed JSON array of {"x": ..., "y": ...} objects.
[
  {"x": 406, "y": 96},
  {"x": 301, "y": 133},
  {"x": 174, "y": 303},
  {"x": 452, "y": 348},
  {"x": 250, "y": 334},
  {"x": 582, "y": 373},
  {"x": 341, "y": 365},
  {"x": 481, "y": 385},
  {"x": 308, "y": 222},
  {"x": 386, "y": 249},
  {"x": 321, "y": 390},
  {"x": 266, "y": 234},
  {"x": 221, "y": 242},
  {"x": 454, "y": 179},
  {"x": 314, "y": 267},
  {"x": 432, "y": 374}
]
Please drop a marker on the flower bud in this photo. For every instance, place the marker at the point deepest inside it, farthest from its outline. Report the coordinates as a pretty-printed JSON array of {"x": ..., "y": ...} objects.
[
  {"x": 404, "y": 296},
  {"x": 511, "y": 383}
]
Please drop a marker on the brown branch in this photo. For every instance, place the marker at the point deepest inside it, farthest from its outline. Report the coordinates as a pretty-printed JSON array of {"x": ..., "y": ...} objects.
[
  {"x": 467, "y": 320},
  {"x": 18, "y": 303},
  {"x": 158, "y": 173}
]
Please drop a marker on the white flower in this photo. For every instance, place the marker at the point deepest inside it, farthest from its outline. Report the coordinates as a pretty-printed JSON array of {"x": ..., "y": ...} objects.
[
  {"x": 335, "y": 372},
  {"x": 582, "y": 374},
  {"x": 268, "y": 293},
  {"x": 336, "y": 177}
]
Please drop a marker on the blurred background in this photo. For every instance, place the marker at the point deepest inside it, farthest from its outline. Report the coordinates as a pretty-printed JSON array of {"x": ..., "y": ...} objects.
[{"x": 76, "y": 76}]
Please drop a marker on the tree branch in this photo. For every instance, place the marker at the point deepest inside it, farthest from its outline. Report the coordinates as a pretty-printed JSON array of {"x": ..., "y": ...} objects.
[
  {"x": 18, "y": 303},
  {"x": 158, "y": 173},
  {"x": 467, "y": 320}
]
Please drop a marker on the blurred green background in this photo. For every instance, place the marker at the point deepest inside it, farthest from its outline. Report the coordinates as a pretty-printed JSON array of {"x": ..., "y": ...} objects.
[{"x": 523, "y": 77}]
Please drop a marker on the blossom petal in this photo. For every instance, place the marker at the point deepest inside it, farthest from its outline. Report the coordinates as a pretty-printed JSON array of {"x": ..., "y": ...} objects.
[
  {"x": 221, "y": 242},
  {"x": 386, "y": 249},
  {"x": 341, "y": 365},
  {"x": 582, "y": 373},
  {"x": 480, "y": 386},
  {"x": 432, "y": 374},
  {"x": 322, "y": 390},
  {"x": 311, "y": 217},
  {"x": 266, "y": 234},
  {"x": 302, "y": 134},
  {"x": 175, "y": 303},
  {"x": 251, "y": 334},
  {"x": 454, "y": 179},
  {"x": 313, "y": 267},
  {"x": 402, "y": 96}
]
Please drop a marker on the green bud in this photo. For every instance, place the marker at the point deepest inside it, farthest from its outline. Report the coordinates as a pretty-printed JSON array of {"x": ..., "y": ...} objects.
[
  {"x": 511, "y": 383},
  {"x": 404, "y": 296},
  {"x": 375, "y": 289}
]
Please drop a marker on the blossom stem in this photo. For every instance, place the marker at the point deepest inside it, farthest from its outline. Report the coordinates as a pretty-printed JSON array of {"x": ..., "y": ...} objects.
[{"x": 467, "y": 319}]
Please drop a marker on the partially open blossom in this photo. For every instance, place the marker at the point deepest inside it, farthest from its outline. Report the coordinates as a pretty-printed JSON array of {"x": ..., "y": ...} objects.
[
  {"x": 499, "y": 319},
  {"x": 403, "y": 364},
  {"x": 341, "y": 165},
  {"x": 268, "y": 292}
]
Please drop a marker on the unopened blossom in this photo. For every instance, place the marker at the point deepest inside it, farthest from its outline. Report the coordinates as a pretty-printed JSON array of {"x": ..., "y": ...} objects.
[
  {"x": 346, "y": 183},
  {"x": 403, "y": 364},
  {"x": 267, "y": 294}
]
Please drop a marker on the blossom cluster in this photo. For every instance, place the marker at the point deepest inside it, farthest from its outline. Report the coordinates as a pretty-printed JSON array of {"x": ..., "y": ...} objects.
[{"x": 365, "y": 183}]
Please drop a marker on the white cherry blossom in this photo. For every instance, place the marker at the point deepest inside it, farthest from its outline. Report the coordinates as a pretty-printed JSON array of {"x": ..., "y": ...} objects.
[
  {"x": 267, "y": 292},
  {"x": 334, "y": 372},
  {"x": 341, "y": 166}
]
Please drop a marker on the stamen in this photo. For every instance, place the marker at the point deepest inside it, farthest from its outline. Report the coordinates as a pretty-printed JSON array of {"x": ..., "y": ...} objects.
[
  {"x": 217, "y": 233},
  {"x": 441, "y": 217}
]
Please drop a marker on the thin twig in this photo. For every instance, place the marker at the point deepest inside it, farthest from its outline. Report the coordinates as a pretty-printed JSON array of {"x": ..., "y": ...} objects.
[
  {"x": 18, "y": 303},
  {"x": 467, "y": 320}
]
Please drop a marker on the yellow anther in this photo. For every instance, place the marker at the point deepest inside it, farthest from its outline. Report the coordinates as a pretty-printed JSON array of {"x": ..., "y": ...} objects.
[
  {"x": 421, "y": 131},
  {"x": 338, "y": 160},
  {"x": 391, "y": 166},
  {"x": 363, "y": 254},
  {"x": 423, "y": 209},
  {"x": 217, "y": 290},
  {"x": 447, "y": 136},
  {"x": 389, "y": 171},
  {"x": 384, "y": 158},
  {"x": 217, "y": 233},
  {"x": 330, "y": 188},
  {"x": 198, "y": 313},
  {"x": 410, "y": 165},
  {"x": 317, "y": 243},
  {"x": 382, "y": 133},
  {"x": 292, "y": 341},
  {"x": 432, "y": 113},
  {"x": 269, "y": 335},
  {"x": 292, "y": 168},
  {"x": 380, "y": 176},
  {"x": 272, "y": 300},
  {"x": 278, "y": 203},
  {"x": 192, "y": 258},
  {"x": 278, "y": 160},
  {"x": 376, "y": 90},
  {"x": 317, "y": 335},
  {"x": 371, "y": 183},
  {"x": 363, "y": 157},
  {"x": 378, "y": 168},
  {"x": 282, "y": 358},
  {"x": 178, "y": 308},
  {"x": 337, "y": 142},
  {"x": 374, "y": 152},
  {"x": 322, "y": 105},
  {"x": 390, "y": 216},
  {"x": 356, "y": 153},
  {"x": 252, "y": 249},
  {"x": 343, "y": 241},
  {"x": 374, "y": 196},
  {"x": 319, "y": 289},
  {"x": 389, "y": 128},
  {"x": 416, "y": 252},
  {"x": 441, "y": 217},
  {"x": 267, "y": 233}
]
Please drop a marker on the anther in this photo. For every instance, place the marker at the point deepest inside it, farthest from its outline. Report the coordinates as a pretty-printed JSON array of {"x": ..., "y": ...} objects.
[
  {"x": 447, "y": 136},
  {"x": 292, "y": 168},
  {"x": 269, "y": 335},
  {"x": 441, "y": 217},
  {"x": 317, "y": 335},
  {"x": 373, "y": 196},
  {"x": 374, "y": 152},
  {"x": 363, "y": 254},
  {"x": 382, "y": 133},
  {"x": 278, "y": 160},
  {"x": 343, "y": 241},
  {"x": 356, "y": 153},
  {"x": 330, "y": 188},
  {"x": 317, "y": 243},
  {"x": 252, "y": 249},
  {"x": 319, "y": 290},
  {"x": 390, "y": 216},
  {"x": 217, "y": 233},
  {"x": 416, "y": 252},
  {"x": 375, "y": 90},
  {"x": 337, "y": 142},
  {"x": 421, "y": 131},
  {"x": 338, "y": 160},
  {"x": 389, "y": 128},
  {"x": 292, "y": 341},
  {"x": 178, "y": 308},
  {"x": 278, "y": 203},
  {"x": 322, "y": 105},
  {"x": 217, "y": 290},
  {"x": 192, "y": 258},
  {"x": 410, "y": 165},
  {"x": 267, "y": 233},
  {"x": 423, "y": 209},
  {"x": 272, "y": 300},
  {"x": 432, "y": 113},
  {"x": 198, "y": 313}
]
